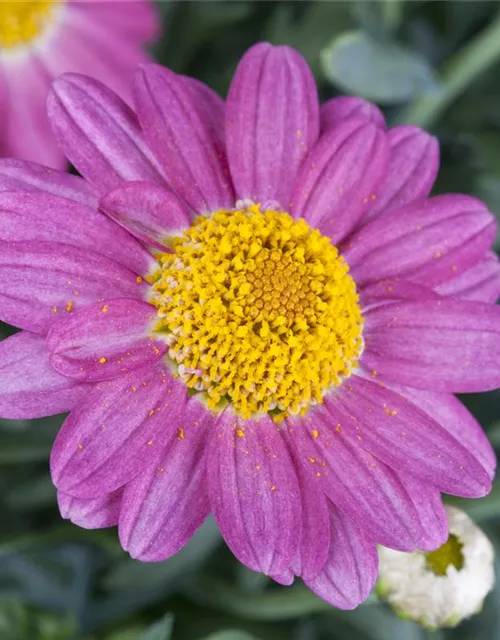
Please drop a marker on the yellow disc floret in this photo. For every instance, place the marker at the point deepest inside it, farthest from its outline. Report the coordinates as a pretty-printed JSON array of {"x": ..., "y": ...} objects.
[
  {"x": 22, "y": 21},
  {"x": 259, "y": 310}
]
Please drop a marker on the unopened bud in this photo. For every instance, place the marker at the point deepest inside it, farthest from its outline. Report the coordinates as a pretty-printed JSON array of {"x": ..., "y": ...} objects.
[{"x": 443, "y": 587}]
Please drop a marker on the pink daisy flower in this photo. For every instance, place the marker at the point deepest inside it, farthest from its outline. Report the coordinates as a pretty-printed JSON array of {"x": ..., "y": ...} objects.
[
  {"x": 40, "y": 39},
  {"x": 253, "y": 310}
]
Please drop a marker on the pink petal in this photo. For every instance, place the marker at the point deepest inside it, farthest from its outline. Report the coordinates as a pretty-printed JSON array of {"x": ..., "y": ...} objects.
[
  {"x": 413, "y": 167},
  {"x": 148, "y": 211},
  {"x": 41, "y": 216},
  {"x": 337, "y": 180},
  {"x": 105, "y": 38},
  {"x": 286, "y": 578},
  {"x": 315, "y": 540},
  {"x": 111, "y": 58},
  {"x": 136, "y": 20},
  {"x": 406, "y": 438},
  {"x": 96, "y": 513},
  {"x": 212, "y": 106},
  {"x": 254, "y": 493},
  {"x": 393, "y": 290},
  {"x": 105, "y": 340},
  {"x": 481, "y": 282},
  {"x": 99, "y": 133},
  {"x": 42, "y": 281},
  {"x": 272, "y": 121},
  {"x": 30, "y": 387},
  {"x": 27, "y": 133},
  {"x": 451, "y": 414},
  {"x": 351, "y": 569},
  {"x": 335, "y": 111},
  {"x": 430, "y": 512},
  {"x": 18, "y": 175},
  {"x": 181, "y": 133},
  {"x": 364, "y": 488},
  {"x": 119, "y": 430},
  {"x": 164, "y": 505},
  {"x": 428, "y": 242},
  {"x": 443, "y": 345}
]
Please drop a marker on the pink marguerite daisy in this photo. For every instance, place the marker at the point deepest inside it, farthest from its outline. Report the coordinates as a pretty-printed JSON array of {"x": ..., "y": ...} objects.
[
  {"x": 40, "y": 39},
  {"x": 250, "y": 309}
]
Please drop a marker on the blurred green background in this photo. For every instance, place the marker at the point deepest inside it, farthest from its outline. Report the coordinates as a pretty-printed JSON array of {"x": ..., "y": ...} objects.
[{"x": 431, "y": 63}]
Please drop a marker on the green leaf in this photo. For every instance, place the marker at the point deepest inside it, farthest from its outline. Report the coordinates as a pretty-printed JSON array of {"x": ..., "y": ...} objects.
[
  {"x": 385, "y": 72},
  {"x": 22, "y": 441},
  {"x": 230, "y": 634},
  {"x": 34, "y": 493},
  {"x": 251, "y": 581},
  {"x": 161, "y": 630},
  {"x": 19, "y": 622},
  {"x": 271, "y": 605},
  {"x": 493, "y": 434}
]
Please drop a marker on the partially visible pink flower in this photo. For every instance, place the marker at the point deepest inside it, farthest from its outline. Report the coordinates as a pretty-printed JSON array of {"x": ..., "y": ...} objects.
[
  {"x": 251, "y": 309},
  {"x": 40, "y": 39}
]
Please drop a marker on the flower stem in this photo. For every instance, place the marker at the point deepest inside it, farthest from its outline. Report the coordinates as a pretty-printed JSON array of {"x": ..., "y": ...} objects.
[{"x": 462, "y": 69}]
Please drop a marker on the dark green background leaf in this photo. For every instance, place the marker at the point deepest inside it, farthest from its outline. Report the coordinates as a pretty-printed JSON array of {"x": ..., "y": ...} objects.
[{"x": 384, "y": 72}]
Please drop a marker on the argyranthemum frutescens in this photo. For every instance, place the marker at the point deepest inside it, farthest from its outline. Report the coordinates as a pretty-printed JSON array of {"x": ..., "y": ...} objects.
[{"x": 265, "y": 320}]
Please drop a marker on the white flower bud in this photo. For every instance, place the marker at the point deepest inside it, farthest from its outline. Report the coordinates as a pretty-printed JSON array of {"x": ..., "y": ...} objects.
[{"x": 443, "y": 587}]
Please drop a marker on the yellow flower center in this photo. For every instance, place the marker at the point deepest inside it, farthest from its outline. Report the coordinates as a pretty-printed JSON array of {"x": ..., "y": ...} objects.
[
  {"x": 259, "y": 310},
  {"x": 449, "y": 553},
  {"x": 21, "y": 22}
]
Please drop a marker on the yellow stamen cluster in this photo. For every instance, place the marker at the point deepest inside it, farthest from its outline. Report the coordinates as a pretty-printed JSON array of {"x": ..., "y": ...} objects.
[
  {"x": 259, "y": 310},
  {"x": 21, "y": 22}
]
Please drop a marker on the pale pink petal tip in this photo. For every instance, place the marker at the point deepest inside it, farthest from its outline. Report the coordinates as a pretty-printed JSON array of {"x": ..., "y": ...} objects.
[
  {"x": 350, "y": 571},
  {"x": 336, "y": 110},
  {"x": 96, "y": 513}
]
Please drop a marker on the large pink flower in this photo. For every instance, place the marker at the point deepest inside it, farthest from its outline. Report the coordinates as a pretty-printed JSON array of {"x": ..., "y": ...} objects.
[
  {"x": 291, "y": 373},
  {"x": 40, "y": 39}
]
